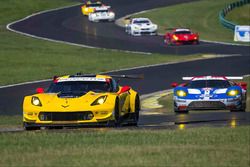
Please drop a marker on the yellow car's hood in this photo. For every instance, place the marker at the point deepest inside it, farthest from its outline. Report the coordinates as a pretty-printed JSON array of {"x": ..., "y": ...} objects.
[{"x": 53, "y": 102}]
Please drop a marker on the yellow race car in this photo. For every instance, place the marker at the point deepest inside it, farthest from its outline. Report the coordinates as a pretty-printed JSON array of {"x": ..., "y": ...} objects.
[
  {"x": 89, "y": 7},
  {"x": 76, "y": 100}
]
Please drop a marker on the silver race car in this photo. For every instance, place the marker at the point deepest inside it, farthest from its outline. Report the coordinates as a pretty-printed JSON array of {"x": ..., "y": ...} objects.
[
  {"x": 102, "y": 14},
  {"x": 139, "y": 26}
]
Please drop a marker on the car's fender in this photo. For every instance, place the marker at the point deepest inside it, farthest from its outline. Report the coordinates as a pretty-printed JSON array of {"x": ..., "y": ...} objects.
[{"x": 133, "y": 96}]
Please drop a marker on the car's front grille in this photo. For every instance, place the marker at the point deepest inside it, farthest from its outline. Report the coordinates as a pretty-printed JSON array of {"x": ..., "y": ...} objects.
[
  {"x": 65, "y": 116},
  {"x": 187, "y": 41},
  {"x": 206, "y": 105}
]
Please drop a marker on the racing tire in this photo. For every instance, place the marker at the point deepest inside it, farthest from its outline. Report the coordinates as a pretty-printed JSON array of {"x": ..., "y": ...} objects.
[
  {"x": 132, "y": 33},
  {"x": 128, "y": 30},
  {"x": 242, "y": 109},
  {"x": 181, "y": 111},
  {"x": 28, "y": 127},
  {"x": 169, "y": 42},
  {"x": 136, "y": 114},
  {"x": 117, "y": 121}
]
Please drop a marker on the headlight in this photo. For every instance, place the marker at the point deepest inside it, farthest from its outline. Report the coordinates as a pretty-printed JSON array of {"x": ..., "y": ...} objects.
[
  {"x": 35, "y": 101},
  {"x": 99, "y": 100},
  {"x": 233, "y": 93},
  {"x": 86, "y": 9},
  {"x": 181, "y": 93},
  {"x": 137, "y": 28},
  {"x": 175, "y": 37}
]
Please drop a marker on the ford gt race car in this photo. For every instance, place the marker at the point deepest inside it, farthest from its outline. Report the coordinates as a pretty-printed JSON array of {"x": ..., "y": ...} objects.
[
  {"x": 210, "y": 92},
  {"x": 102, "y": 14},
  {"x": 139, "y": 26},
  {"x": 89, "y": 7},
  {"x": 181, "y": 36},
  {"x": 76, "y": 100}
]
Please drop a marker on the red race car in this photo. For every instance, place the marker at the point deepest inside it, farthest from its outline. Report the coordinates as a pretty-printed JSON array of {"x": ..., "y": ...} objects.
[{"x": 180, "y": 36}]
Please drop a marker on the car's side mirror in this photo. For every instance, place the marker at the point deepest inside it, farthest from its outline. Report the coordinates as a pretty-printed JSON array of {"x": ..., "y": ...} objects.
[
  {"x": 124, "y": 89},
  {"x": 174, "y": 84},
  {"x": 39, "y": 90}
]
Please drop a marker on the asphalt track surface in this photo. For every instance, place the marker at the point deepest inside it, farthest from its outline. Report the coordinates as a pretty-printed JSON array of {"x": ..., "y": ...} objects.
[{"x": 69, "y": 25}]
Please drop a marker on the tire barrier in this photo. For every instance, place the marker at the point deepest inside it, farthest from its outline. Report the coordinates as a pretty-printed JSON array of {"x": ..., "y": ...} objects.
[{"x": 226, "y": 10}]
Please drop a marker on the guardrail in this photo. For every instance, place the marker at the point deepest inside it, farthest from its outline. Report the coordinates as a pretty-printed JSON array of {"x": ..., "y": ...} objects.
[{"x": 229, "y": 8}]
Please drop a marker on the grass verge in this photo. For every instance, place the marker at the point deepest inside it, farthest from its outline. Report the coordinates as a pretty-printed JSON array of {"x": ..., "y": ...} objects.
[
  {"x": 201, "y": 16},
  {"x": 191, "y": 147},
  {"x": 240, "y": 16}
]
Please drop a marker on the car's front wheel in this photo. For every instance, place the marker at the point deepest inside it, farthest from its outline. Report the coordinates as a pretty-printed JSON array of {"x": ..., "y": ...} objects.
[
  {"x": 136, "y": 114},
  {"x": 241, "y": 109},
  {"x": 117, "y": 119},
  {"x": 26, "y": 126},
  {"x": 181, "y": 111}
]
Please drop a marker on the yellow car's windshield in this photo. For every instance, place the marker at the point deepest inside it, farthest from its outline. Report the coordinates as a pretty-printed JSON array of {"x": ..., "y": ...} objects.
[
  {"x": 79, "y": 88},
  {"x": 92, "y": 5}
]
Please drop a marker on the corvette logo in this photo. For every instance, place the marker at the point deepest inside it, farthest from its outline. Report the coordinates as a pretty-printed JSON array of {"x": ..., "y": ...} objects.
[{"x": 65, "y": 106}]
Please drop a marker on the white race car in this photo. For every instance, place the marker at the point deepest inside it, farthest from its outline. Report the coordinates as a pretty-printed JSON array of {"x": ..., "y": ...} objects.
[
  {"x": 102, "y": 14},
  {"x": 139, "y": 26}
]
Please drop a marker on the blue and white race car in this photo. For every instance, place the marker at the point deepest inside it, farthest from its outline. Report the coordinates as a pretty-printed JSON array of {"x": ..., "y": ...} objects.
[{"x": 210, "y": 92}]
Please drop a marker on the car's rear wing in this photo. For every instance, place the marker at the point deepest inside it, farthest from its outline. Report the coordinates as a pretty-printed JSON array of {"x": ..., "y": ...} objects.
[
  {"x": 102, "y": 8},
  {"x": 234, "y": 78},
  {"x": 213, "y": 77},
  {"x": 173, "y": 28},
  {"x": 140, "y": 76}
]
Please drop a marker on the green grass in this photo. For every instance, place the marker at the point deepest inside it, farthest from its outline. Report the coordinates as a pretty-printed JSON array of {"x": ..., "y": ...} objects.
[
  {"x": 197, "y": 147},
  {"x": 27, "y": 59},
  {"x": 201, "y": 16},
  {"x": 240, "y": 16},
  {"x": 14, "y": 121},
  {"x": 11, "y": 10}
]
